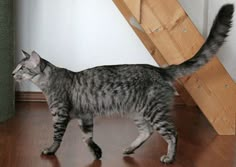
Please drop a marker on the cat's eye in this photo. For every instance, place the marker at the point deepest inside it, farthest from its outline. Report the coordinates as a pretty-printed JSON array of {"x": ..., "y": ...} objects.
[
  {"x": 18, "y": 68},
  {"x": 22, "y": 67}
]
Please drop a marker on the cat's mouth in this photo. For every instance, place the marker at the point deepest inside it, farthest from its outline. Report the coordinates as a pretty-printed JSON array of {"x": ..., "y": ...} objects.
[{"x": 17, "y": 78}]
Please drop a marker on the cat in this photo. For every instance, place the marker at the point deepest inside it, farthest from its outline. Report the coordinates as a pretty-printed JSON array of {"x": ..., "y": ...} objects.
[{"x": 140, "y": 89}]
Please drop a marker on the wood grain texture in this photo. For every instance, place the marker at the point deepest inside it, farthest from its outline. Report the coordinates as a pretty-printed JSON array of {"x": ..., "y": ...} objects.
[
  {"x": 175, "y": 39},
  {"x": 148, "y": 43},
  {"x": 23, "y": 137},
  {"x": 135, "y": 5}
]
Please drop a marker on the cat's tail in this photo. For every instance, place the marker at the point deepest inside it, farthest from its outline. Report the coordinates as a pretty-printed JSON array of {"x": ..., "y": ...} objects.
[{"x": 215, "y": 40}]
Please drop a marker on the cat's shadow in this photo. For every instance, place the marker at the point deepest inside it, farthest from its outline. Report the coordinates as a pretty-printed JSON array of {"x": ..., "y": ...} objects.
[
  {"x": 52, "y": 159},
  {"x": 95, "y": 163},
  {"x": 130, "y": 161}
]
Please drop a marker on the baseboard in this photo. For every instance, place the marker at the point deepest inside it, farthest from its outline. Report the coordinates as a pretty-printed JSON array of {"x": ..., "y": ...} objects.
[
  {"x": 39, "y": 97},
  {"x": 30, "y": 97}
]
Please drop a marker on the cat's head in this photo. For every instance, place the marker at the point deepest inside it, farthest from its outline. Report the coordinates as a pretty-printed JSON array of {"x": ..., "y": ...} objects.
[{"x": 28, "y": 68}]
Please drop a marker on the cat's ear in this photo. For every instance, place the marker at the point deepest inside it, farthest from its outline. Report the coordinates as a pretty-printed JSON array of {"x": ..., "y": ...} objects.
[
  {"x": 25, "y": 54},
  {"x": 34, "y": 59}
]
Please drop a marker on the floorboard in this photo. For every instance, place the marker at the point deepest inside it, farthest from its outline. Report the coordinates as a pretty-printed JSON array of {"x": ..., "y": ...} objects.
[{"x": 23, "y": 137}]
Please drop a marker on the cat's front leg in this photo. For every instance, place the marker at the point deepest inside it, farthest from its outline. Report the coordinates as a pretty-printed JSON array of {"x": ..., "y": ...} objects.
[
  {"x": 60, "y": 122},
  {"x": 86, "y": 125},
  {"x": 52, "y": 149}
]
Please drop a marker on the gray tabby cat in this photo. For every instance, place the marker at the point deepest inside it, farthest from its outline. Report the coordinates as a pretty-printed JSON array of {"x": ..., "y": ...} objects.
[{"x": 143, "y": 90}]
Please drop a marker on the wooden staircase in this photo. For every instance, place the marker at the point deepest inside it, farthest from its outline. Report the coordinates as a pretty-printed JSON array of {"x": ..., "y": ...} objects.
[{"x": 171, "y": 38}]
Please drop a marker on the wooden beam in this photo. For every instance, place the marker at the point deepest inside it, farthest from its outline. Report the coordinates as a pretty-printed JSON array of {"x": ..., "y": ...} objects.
[
  {"x": 148, "y": 43},
  {"x": 135, "y": 6},
  {"x": 214, "y": 90},
  {"x": 168, "y": 32}
]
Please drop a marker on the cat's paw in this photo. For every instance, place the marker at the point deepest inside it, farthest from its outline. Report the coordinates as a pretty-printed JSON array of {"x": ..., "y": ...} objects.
[
  {"x": 47, "y": 151},
  {"x": 97, "y": 152},
  {"x": 166, "y": 159},
  {"x": 128, "y": 151}
]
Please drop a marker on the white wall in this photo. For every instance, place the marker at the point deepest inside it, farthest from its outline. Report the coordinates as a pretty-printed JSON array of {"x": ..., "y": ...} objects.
[
  {"x": 76, "y": 34},
  {"x": 196, "y": 9},
  {"x": 82, "y": 34}
]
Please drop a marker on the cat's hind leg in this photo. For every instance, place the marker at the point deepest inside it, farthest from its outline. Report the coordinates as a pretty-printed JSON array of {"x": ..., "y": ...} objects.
[
  {"x": 163, "y": 124},
  {"x": 86, "y": 125},
  {"x": 145, "y": 131}
]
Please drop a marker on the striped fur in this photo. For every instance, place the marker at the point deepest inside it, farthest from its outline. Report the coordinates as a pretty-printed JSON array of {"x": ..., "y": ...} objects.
[
  {"x": 215, "y": 40},
  {"x": 142, "y": 90}
]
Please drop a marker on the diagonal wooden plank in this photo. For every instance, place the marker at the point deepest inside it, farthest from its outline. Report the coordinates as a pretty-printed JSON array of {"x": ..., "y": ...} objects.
[
  {"x": 135, "y": 7},
  {"x": 152, "y": 48},
  {"x": 169, "y": 32}
]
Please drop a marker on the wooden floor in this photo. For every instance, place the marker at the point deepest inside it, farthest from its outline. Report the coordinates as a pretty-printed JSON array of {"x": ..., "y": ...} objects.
[{"x": 23, "y": 137}]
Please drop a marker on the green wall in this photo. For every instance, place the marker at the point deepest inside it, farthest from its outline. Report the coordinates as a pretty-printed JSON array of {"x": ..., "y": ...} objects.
[{"x": 7, "y": 107}]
